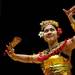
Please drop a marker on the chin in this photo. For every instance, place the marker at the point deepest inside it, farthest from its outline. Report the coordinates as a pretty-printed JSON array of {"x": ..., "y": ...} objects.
[{"x": 51, "y": 39}]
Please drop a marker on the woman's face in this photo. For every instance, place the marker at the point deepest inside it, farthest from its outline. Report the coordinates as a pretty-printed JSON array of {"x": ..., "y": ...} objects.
[{"x": 50, "y": 33}]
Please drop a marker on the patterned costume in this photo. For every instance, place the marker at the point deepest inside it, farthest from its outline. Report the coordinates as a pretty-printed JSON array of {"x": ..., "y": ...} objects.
[{"x": 56, "y": 65}]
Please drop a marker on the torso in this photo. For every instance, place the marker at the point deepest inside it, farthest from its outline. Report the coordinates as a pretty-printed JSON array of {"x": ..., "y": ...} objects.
[{"x": 56, "y": 65}]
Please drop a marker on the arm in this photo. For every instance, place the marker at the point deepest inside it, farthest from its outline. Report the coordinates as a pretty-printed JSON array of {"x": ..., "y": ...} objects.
[
  {"x": 20, "y": 57},
  {"x": 70, "y": 42},
  {"x": 23, "y": 58}
]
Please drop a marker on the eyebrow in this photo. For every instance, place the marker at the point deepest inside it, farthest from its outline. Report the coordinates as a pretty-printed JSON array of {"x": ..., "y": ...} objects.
[{"x": 49, "y": 28}]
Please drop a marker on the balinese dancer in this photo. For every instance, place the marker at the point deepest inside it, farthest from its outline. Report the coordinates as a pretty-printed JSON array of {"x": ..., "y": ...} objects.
[{"x": 52, "y": 60}]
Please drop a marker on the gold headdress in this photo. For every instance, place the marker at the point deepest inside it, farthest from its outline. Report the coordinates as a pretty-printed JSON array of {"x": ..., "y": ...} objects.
[{"x": 48, "y": 22}]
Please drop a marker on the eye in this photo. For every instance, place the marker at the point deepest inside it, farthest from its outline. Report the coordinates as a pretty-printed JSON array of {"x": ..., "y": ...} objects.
[
  {"x": 52, "y": 29},
  {"x": 46, "y": 30}
]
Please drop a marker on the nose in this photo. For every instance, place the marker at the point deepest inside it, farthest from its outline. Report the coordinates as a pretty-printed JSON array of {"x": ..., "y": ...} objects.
[{"x": 49, "y": 32}]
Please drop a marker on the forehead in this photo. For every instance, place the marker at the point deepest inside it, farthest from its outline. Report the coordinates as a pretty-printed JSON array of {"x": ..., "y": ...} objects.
[{"x": 49, "y": 26}]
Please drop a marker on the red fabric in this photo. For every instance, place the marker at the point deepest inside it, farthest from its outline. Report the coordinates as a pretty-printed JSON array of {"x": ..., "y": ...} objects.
[{"x": 42, "y": 58}]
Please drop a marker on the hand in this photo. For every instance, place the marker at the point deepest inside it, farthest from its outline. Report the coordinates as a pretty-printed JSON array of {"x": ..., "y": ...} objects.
[
  {"x": 71, "y": 10},
  {"x": 9, "y": 50},
  {"x": 70, "y": 14}
]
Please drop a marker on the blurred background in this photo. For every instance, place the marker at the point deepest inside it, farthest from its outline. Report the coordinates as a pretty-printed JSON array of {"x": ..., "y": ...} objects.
[{"x": 22, "y": 18}]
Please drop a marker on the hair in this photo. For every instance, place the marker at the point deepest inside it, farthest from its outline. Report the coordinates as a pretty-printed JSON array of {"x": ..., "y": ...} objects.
[{"x": 48, "y": 22}]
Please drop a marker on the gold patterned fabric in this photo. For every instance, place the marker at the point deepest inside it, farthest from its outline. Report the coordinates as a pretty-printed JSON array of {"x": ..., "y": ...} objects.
[
  {"x": 73, "y": 26},
  {"x": 56, "y": 65}
]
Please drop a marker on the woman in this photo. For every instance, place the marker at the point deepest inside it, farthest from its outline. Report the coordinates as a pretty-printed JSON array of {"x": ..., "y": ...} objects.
[{"x": 52, "y": 60}]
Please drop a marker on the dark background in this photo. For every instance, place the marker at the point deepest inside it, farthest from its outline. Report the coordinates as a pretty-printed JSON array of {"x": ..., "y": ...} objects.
[
  {"x": 0, "y": 7},
  {"x": 22, "y": 19}
]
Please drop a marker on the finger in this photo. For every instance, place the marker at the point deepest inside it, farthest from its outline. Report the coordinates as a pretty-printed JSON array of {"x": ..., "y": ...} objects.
[
  {"x": 66, "y": 12},
  {"x": 6, "y": 51},
  {"x": 72, "y": 8},
  {"x": 9, "y": 53},
  {"x": 71, "y": 14},
  {"x": 6, "y": 45}
]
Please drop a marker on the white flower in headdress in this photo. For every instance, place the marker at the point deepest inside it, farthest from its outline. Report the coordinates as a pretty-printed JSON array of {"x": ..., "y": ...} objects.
[
  {"x": 41, "y": 34},
  {"x": 41, "y": 23}
]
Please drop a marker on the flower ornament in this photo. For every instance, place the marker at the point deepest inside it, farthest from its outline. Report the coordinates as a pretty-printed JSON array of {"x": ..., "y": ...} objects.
[
  {"x": 59, "y": 30},
  {"x": 41, "y": 34}
]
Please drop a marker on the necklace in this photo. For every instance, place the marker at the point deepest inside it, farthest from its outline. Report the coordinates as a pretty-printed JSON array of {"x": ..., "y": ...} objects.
[
  {"x": 57, "y": 44},
  {"x": 54, "y": 46},
  {"x": 53, "y": 52}
]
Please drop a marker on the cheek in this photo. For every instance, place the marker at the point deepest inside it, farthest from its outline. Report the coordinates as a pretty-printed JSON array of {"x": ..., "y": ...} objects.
[
  {"x": 55, "y": 36},
  {"x": 44, "y": 37}
]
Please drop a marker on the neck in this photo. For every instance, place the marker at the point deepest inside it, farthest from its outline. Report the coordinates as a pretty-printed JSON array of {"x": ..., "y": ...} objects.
[{"x": 53, "y": 44}]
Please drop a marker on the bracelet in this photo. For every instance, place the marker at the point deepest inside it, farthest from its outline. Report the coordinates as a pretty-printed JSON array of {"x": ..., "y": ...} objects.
[
  {"x": 13, "y": 49},
  {"x": 73, "y": 26}
]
